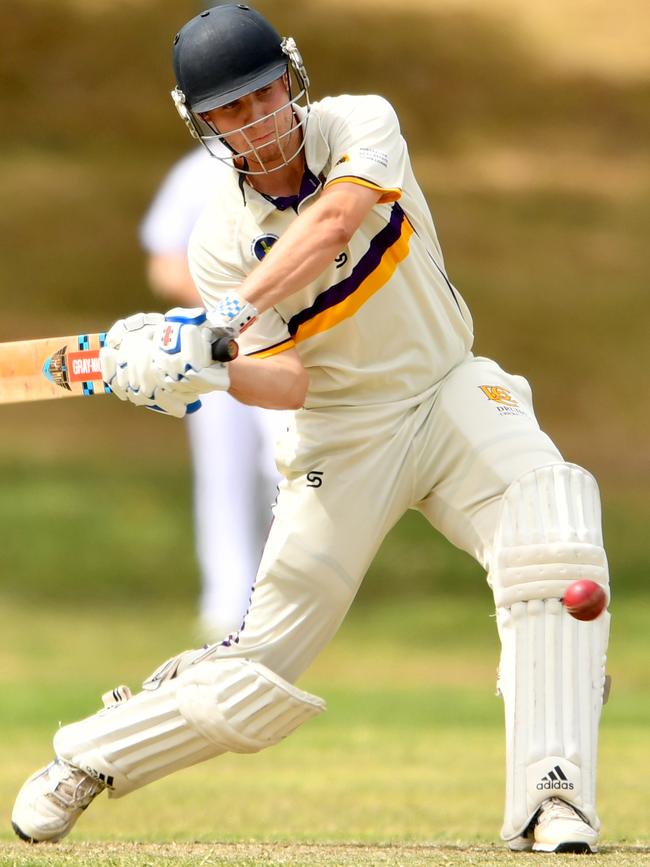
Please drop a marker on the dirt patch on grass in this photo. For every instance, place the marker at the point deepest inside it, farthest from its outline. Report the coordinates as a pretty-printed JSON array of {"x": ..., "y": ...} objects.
[{"x": 321, "y": 854}]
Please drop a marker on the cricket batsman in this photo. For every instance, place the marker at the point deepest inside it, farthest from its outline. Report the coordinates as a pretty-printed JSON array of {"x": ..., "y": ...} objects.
[{"x": 317, "y": 251}]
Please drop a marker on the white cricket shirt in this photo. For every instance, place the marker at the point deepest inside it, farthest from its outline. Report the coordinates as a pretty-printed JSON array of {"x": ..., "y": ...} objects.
[{"x": 383, "y": 323}]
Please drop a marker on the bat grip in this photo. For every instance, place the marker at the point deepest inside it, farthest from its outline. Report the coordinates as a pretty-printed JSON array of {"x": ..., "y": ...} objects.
[{"x": 225, "y": 349}]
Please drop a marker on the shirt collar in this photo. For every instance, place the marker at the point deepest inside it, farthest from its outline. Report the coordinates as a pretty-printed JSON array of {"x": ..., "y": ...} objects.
[
  {"x": 316, "y": 152},
  {"x": 309, "y": 185}
]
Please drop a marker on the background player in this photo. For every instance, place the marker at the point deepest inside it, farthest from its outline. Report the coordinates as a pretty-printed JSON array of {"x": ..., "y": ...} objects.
[
  {"x": 350, "y": 315},
  {"x": 232, "y": 515}
]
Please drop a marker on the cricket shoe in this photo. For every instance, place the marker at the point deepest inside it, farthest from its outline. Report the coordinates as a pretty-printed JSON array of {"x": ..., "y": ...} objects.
[
  {"x": 557, "y": 827},
  {"x": 51, "y": 801}
]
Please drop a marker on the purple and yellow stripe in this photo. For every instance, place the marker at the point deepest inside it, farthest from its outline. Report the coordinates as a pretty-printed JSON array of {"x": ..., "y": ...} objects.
[
  {"x": 387, "y": 249},
  {"x": 283, "y": 345}
]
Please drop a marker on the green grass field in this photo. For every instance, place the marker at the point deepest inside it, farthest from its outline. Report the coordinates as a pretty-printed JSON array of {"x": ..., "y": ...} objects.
[{"x": 404, "y": 768}]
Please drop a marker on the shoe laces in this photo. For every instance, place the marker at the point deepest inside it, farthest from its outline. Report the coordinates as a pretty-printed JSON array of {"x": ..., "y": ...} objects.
[
  {"x": 71, "y": 787},
  {"x": 559, "y": 810}
]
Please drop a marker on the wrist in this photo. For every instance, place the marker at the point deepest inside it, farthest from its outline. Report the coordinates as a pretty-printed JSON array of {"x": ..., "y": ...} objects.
[{"x": 234, "y": 312}]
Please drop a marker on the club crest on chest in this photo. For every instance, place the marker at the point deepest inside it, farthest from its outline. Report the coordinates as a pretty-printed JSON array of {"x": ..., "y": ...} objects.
[{"x": 261, "y": 245}]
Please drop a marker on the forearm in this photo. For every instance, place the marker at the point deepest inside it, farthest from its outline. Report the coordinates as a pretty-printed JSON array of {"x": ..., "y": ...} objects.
[
  {"x": 297, "y": 258},
  {"x": 309, "y": 245},
  {"x": 273, "y": 383}
]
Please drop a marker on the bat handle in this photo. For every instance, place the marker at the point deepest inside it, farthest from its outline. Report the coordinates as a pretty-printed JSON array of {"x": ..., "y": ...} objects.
[{"x": 225, "y": 349}]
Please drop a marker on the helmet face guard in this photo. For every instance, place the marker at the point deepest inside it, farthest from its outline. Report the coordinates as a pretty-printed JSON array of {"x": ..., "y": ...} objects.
[
  {"x": 289, "y": 142},
  {"x": 225, "y": 54}
]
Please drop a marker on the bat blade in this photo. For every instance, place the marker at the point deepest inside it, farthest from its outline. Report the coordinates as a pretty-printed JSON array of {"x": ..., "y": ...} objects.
[{"x": 51, "y": 367}]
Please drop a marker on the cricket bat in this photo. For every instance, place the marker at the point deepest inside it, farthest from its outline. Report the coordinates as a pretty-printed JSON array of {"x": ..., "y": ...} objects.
[{"x": 53, "y": 367}]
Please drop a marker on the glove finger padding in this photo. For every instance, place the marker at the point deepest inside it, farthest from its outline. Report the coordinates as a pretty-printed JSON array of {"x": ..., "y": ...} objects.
[
  {"x": 176, "y": 403},
  {"x": 183, "y": 352},
  {"x": 126, "y": 352},
  {"x": 108, "y": 362},
  {"x": 137, "y": 322},
  {"x": 129, "y": 371},
  {"x": 135, "y": 373}
]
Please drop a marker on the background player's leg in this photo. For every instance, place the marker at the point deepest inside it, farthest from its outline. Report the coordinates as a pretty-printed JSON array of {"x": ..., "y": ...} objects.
[
  {"x": 232, "y": 509},
  {"x": 502, "y": 492}
]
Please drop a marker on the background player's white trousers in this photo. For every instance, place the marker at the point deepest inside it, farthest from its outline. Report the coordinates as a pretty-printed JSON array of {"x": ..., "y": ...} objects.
[{"x": 232, "y": 502}]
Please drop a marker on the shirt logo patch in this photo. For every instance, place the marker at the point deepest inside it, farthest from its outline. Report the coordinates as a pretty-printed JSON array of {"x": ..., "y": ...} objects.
[
  {"x": 374, "y": 156},
  {"x": 498, "y": 394},
  {"x": 506, "y": 404},
  {"x": 261, "y": 245}
]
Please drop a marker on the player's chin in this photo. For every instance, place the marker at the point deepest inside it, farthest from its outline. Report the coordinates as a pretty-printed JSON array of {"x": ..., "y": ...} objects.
[
  {"x": 266, "y": 162},
  {"x": 268, "y": 153}
]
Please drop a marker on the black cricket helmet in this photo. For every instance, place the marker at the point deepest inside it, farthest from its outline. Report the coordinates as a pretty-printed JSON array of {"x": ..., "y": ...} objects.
[{"x": 225, "y": 53}]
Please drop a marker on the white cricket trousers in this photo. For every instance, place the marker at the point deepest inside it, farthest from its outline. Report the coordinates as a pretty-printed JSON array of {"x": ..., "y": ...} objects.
[{"x": 352, "y": 473}]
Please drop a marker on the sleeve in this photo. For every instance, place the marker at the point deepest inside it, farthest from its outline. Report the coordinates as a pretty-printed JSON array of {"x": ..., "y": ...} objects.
[{"x": 367, "y": 147}]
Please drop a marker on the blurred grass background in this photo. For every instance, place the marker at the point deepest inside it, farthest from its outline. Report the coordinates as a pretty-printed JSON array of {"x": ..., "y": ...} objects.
[{"x": 529, "y": 129}]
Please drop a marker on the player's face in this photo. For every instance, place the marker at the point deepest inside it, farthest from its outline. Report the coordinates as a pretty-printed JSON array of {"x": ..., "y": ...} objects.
[{"x": 260, "y": 125}]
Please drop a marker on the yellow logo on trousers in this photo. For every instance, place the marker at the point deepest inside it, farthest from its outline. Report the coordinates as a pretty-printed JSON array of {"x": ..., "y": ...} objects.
[{"x": 498, "y": 394}]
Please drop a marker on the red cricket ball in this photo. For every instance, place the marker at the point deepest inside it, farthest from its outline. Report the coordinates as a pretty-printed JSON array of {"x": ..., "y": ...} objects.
[{"x": 584, "y": 599}]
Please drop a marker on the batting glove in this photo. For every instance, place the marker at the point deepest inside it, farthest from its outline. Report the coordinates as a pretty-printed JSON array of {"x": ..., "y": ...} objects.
[
  {"x": 183, "y": 352},
  {"x": 128, "y": 369}
]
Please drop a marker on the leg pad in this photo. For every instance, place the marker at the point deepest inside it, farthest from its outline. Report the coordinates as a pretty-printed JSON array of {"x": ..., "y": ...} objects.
[
  {"x": 549, "y": 535},
  {"x": 216, "y": 706},
  {"x": 552, "y": 679},
  {"x": 552, "y": 668}
]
